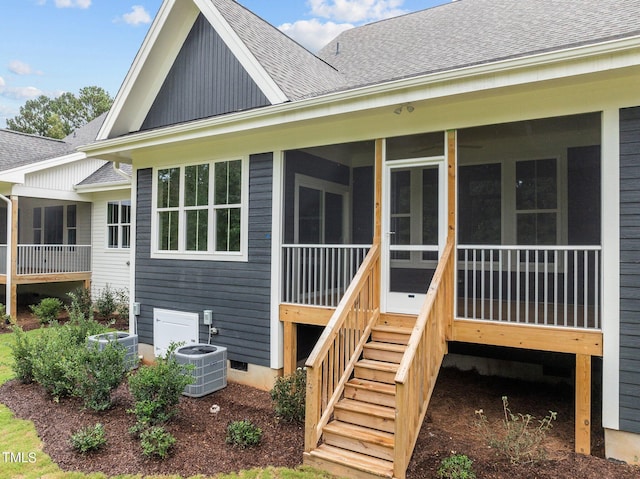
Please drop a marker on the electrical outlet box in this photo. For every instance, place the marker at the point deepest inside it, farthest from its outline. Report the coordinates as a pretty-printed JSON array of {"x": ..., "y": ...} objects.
[
  {"x": 208, "y": 317},
  {"x": 136, "y": 309}
]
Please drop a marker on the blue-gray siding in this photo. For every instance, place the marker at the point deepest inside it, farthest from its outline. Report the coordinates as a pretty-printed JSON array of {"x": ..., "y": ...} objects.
[
  {"x": 205, "y": 80},
  {"x": 237, "y": 292},
  {"x": 630, "y": 269}
]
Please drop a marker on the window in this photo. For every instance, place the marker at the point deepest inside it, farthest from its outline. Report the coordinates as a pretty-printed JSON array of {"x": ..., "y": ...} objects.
[
  {"x": 71, "y": 224},
  {"x": 119, "y": 224},
  {"x": 536, "y": 202},
  {"x": 37, "y": 225},
  {"x": 320, "y": 211},
  {"x": 199, "y": 209},
  {"x": 480, "y": 191}
]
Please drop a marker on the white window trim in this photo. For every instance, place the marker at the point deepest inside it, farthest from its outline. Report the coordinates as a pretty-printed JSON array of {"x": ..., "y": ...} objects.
[
  {"x": 211, "y": 255},
  {"x": 326, "y": 187},
  {"x": 120, "y": 224}
]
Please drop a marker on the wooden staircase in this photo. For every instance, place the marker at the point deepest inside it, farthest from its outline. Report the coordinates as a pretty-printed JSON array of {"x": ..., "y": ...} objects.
[{"x": 359, "y": 441}]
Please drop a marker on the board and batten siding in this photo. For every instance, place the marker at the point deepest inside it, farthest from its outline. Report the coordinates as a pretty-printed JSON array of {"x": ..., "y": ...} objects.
[
  {"x": 110, "y": 265},
  {"x": 238, "y": 293},
  {"x": 205, "y": 80},
  {"x": 630, "y": 269}
]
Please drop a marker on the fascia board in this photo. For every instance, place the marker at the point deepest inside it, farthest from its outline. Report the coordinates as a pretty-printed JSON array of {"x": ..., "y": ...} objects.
[
  {"x": 33, "y": 192},
  {"x": 535, "y": 68},
  {"x": 158, "y": 52},
  {"x": 101, "y": 187},
  {"x": 250, "y": 63}
]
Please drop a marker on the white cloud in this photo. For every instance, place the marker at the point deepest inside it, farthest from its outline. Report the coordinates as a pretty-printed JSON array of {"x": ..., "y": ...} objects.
[
  {"x": 72, "y": 3},
  {"x": 137, "y": 16},
  {"x": 21, "y": 68},
  {"x": 2, "y": 83},
  {"x": 19, "y": 93},
  {"x": 356, "y": 10},
  {"x": 313, "y": 34}
]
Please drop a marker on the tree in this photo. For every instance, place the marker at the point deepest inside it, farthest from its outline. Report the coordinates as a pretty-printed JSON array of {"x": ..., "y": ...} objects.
[{"x": 60, "y": 116}]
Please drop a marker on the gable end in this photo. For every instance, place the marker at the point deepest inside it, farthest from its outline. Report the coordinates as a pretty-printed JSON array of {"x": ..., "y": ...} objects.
[{"x": 205, "y": 80}]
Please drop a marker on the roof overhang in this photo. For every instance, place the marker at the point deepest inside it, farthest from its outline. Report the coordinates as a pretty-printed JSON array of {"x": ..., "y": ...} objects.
[
  {"x": 157, "y": 54},
  {"x": 582, "y": 60},
  {"x": 17, "y": 175}
]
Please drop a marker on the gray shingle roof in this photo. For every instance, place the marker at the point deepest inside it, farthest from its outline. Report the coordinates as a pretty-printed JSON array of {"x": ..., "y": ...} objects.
[
  {"x": 19, "y": 149},
  {"x": 298, "y": 72},
  {"x": 106, "y": 174},
  {"x": 471, "y": 32}
]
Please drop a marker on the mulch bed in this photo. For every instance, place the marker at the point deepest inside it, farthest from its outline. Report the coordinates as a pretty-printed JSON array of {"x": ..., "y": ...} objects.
[{"x": 201, "y": 448}]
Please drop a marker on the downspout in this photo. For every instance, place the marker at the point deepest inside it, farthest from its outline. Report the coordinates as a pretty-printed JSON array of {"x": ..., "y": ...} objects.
[
  {"x": 8, "y": 271},
  {"x": 116, "y": 168}
]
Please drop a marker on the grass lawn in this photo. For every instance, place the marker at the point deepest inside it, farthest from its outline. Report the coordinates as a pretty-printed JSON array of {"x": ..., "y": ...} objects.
[{"x": 21, "y": 454}]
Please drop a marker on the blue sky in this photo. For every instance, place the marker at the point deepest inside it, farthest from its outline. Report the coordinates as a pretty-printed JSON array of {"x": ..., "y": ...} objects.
[{"x": 52, "y": 46}]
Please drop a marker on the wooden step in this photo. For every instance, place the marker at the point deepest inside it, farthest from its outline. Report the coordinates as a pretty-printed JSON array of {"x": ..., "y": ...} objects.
[
  {"x": 389, "y": 352},
  {"x": 365, "y": 414},
  {"x": 343, "y": 463},
  {"x": 373, "y": 392},
  {"x": 391, "y": 334},
  {"x": 359, "y": 439},
  {"x": 373, "y": 370},
  {"x": 398, "y": 320}
]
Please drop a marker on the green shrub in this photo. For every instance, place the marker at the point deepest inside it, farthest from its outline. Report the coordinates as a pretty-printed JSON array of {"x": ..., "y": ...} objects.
[
  {"x": 156, "y": 442},
  {"x": 47, "y": 310},
  {"x": 157, "y": 388},
  {"x": 521, "y": 440},
  {"x": 122, "y": 302},
  {"x": 289, "y": 394},
  {"x": 457, "y": 466},
  {"x": 106, "y": 303},
  {"x": 4, "y": 317},
  {"x": 98, "y": 373},
  {"x": 243, "y": 434},
  {"x": 55, "y": 358},
  {"x": 89, "y": 438},
  {"x": 81, "y": 304},
  {"x": 80, "y": 327},
  {"x": 22, "y": 349}
]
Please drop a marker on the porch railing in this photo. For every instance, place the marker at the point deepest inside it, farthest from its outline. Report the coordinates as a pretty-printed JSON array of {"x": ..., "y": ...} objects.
[
  {"x": 541, "y": 285},
  {"x": 3, "y": 259},
  {"x": 53, "y": 259},
  {"x": 332, "y": 360},
  {"x": 318, "y": 275},
  {"x": 418, "y": 370}
]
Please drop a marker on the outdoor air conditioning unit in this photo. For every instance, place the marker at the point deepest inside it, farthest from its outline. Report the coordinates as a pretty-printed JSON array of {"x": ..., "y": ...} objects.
[
  {"x": 210, "y": 372},
  {"x": 129, "y": 341}
]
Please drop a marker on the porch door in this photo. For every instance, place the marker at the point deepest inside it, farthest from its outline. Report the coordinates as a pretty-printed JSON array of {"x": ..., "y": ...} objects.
[{"x": 415, "y": 232}]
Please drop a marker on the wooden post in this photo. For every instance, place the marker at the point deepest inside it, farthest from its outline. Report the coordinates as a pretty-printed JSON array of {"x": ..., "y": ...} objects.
[
  {"x": 583, "y": 404},
  {"x": 451, "y": 226},
  {"x": 290, "y": 347},
  {"x": 377, "y": 191},
  {"x": 13, "y": 244}
]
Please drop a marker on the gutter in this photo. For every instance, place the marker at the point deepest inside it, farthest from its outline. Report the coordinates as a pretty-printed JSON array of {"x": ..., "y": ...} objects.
[
  {"x": 116, "y": 168},
  {"x": 8, "y": 272},
  {"x": 360, "y": 98}
]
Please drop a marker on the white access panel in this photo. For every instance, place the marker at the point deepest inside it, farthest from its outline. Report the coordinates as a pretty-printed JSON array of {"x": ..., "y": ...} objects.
[{"x": 173, "y": 326}]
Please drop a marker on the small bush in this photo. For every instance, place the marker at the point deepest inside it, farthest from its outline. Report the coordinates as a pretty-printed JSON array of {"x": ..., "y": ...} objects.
[
  {"x": 22, "y": 349},
  {"x": 106, "y": 303},
  {"x": 157, "y": 388},
  {"x": 289, "y": 394},
  {"x": 457, "y": 466},
  {"x": 4, "y": 317},
  {"x": 55, "y": 359},
  {"x": 89, "y": 438},
  {"x": 243, "y": 434},
  {"x": 122, "y": 302},
  {"x": 521, "y": 440},
  {"x": 47, "y": 310},
  {"x": 81, "y": 304},
  {"x": 156, "y": 442},
  {"x": 99, "y": 372},
  {"x": 80, "y": 327}
]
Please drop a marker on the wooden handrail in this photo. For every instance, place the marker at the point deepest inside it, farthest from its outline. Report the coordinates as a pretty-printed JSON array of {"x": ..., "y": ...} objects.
[
  {"x": 418, "y": 370},
  {"x": 333, "y": 359}
]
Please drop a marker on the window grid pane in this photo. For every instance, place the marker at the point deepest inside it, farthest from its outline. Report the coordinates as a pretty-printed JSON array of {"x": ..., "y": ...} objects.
[
  {"x": 197, "y": 230},
  {"x": 169, "y": 188}
]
